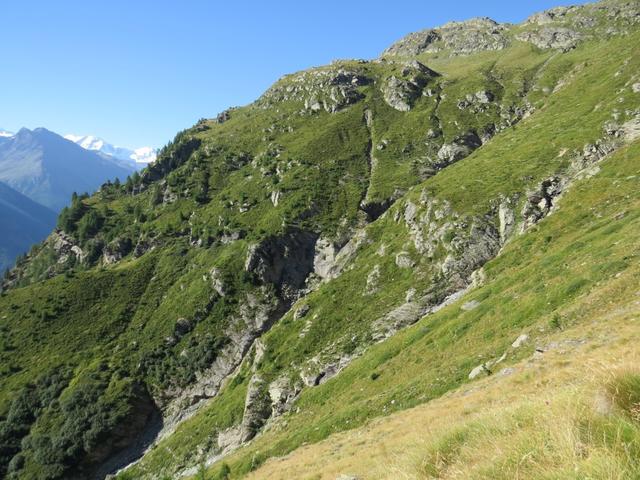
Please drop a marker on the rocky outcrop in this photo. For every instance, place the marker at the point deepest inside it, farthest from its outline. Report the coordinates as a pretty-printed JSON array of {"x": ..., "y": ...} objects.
[
  {"x": 540, "y": 201},
  {"x": 455, "y": 38},
  {"x": 283, "y": 393},
  {"x": 331, "y": 257},
  {"x": 64, "y": 246},
  {"x": 548, "y": 16},
  {"x": 476, "y": 102},
  {"x": 143, "y": 246},
  {"x": 224, "y": 116},
  {"x": 323, "y": 367},
  {"x": 257, "y": 408},
  {"x": 506, "y": 219},
  {"x": 559, "y": 38},
  {"x": 284, "y": 262},
  {"x": 330, "y": 89},
  {"x": 217, "y": 282},
  {"x": 116, "y": 250},
  {"x": 402, "y": 92},
  {"x": 460, "y": 148}
]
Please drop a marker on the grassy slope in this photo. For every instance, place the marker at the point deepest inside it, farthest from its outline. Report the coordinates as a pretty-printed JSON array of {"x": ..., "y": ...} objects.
[
  {"x": 555, "y": 283},
  {"x": 548, "y": 419},
  {"x": 412, "y": 366}
]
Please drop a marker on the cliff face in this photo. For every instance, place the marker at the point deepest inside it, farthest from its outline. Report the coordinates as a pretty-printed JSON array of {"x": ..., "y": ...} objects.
[{"x": 238, "y": 293}]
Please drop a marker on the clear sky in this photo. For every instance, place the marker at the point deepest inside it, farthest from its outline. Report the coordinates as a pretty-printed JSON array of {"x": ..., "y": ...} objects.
[{"x": 135, "y": 72}]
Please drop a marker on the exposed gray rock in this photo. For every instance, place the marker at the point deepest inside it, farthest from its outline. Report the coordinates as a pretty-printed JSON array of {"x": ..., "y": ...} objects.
[
  {"x": 275, "y": 197},
  {"x": 216, "y": 281},
  {"x": 373, "y": 279},
  {"x": 539, "y": 202},
  {"x": 410, "y": 295},
  {"x": 404, "y": 260},
  {"x": 456, "y": 38},
  {"x": 223, "y": 116},
  {"x": 477, "y": 102},
  {"x": 256, "y": 313},
  {"x": 284, "y": 261},
  {"x": 548, "y": 16},
  {"x": 479, "y": 245},
  {"x": 457, "y": 150},
  {"x": 507, "y": 219},
  {"x": 521, "y": 340},
  {"x": 301, "y": 311},
  {"x": 483, "y": 96},
  {"x": 257, "y": 407},
  {"x": 325, "y": 258},
  {"x": 116, "y": 250},
  {"x": 282, "y": 394},
  {"x": 478, "y": 278},
  {"x": 168, "y": 196},
  {"x": 230, "y": 439},
  {"x": 65, "y": 246},
  {"x": 635, "y": 88},
  {"x": 479, "y": 370},
  {"x": 143, "y": 246},
  {"x": 560, "y": 38},
  {"x": 631, "y": 130},
  {"x": 317, "y": 372},
  {"x": 400, "y": 94},
  {"x": 400, "y": 317},
  {"x": 327, "y": 88}
]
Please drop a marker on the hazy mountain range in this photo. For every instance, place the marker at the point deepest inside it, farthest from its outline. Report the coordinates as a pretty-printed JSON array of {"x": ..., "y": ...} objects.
[
  {"x": 23, "y": 221},
  {"x": 42, "y": 167}
]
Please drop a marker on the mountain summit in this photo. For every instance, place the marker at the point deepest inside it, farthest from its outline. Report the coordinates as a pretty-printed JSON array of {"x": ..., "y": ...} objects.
[{"x": 137, "y": 158}]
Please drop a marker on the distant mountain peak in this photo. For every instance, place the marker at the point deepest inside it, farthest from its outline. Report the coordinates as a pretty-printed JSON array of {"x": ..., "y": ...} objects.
[
  {"x": 6, "y": 133},
  {"x": 137, "y": 158},
  {"x": 47, "y": 168}
]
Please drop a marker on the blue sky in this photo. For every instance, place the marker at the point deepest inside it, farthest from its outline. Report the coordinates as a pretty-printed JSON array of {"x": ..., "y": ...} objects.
[{"x": 135, "y": 72}]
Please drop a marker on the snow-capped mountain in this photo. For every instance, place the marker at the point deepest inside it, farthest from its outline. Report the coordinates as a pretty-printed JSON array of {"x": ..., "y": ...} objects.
[
  {"x": 137, "y": 158},
  {"x": 4, "y": 133}
]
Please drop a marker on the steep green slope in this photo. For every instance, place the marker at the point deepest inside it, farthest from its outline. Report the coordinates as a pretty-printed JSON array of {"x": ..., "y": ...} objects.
[
  {"x": 213, "y": 298},
  {"x": 340, "y": 316},
  {"x": 562, "y": 284}
]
